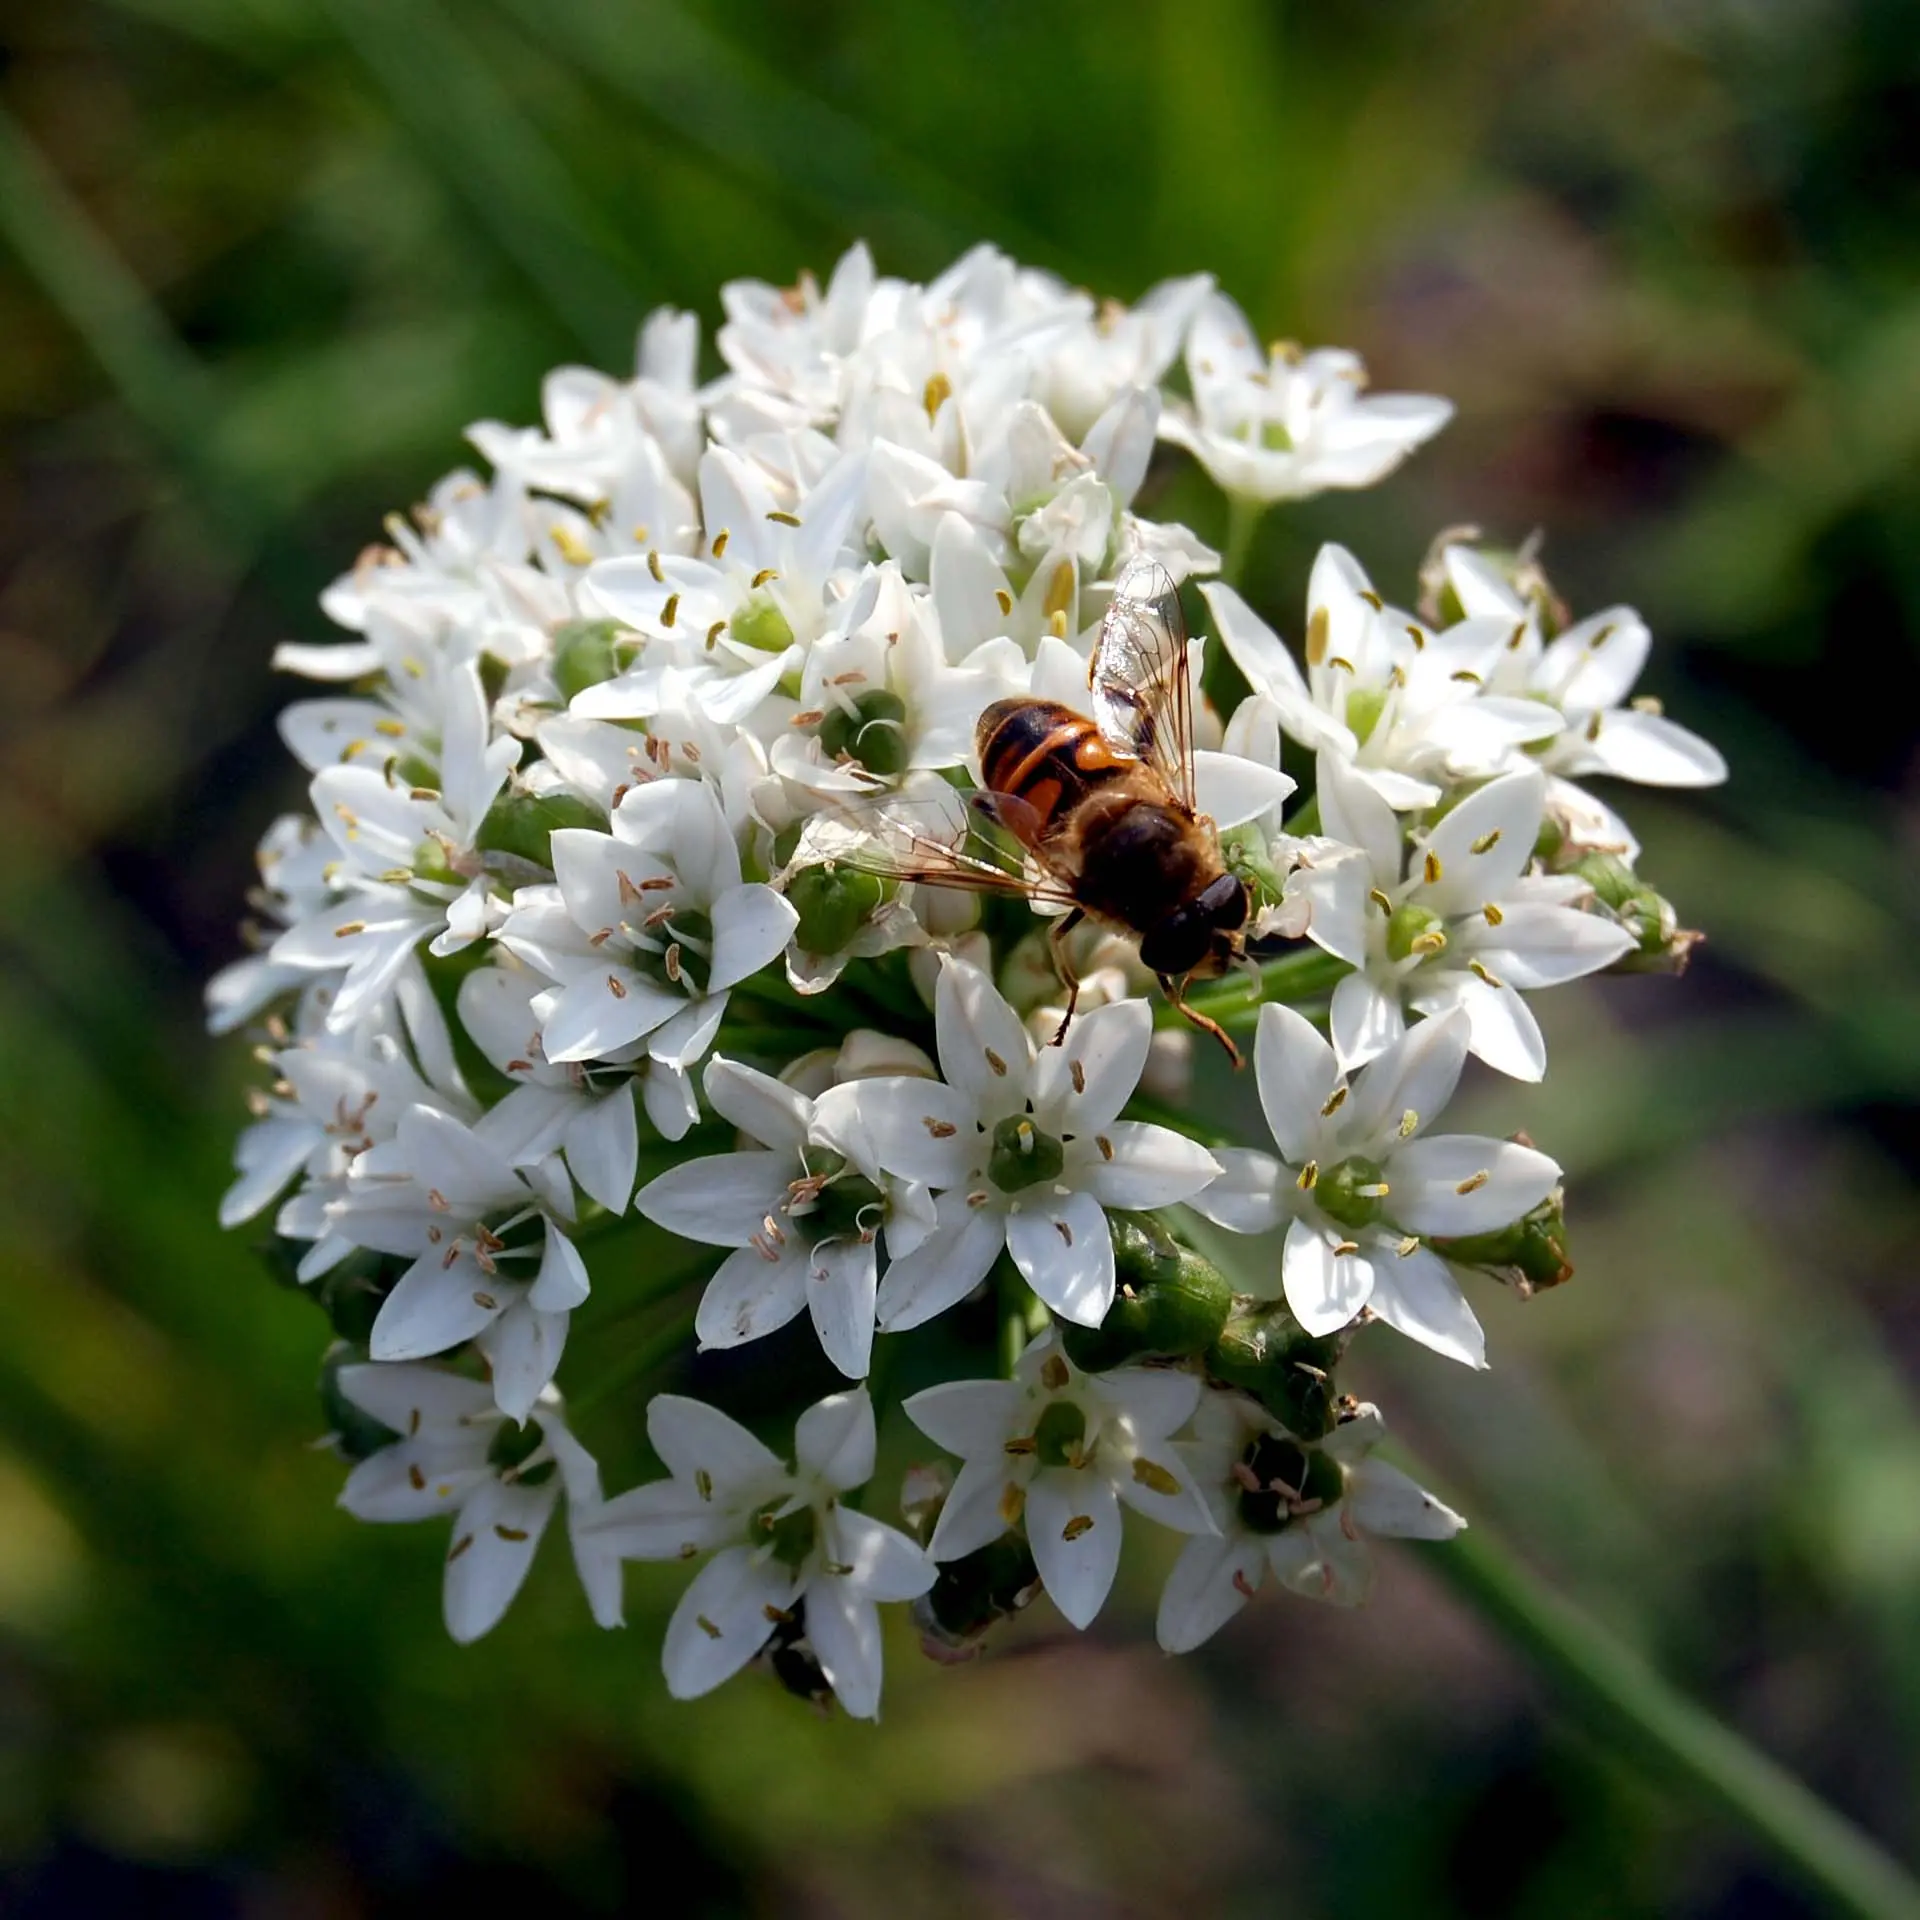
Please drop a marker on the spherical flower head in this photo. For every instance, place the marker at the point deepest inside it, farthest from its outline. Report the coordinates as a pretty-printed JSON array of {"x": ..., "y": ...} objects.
[
  {"x": 1024, "y": 1149},
  {"x": 1061, "y": 1451},
  {"x": 1360, "y": 1184},
  {"x": 1300, "y": 1509},
  {"x": 785, "y": 1549}
]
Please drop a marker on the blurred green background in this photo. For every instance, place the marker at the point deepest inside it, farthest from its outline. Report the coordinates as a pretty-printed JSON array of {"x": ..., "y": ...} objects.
[{"x": 262, "y": 260}]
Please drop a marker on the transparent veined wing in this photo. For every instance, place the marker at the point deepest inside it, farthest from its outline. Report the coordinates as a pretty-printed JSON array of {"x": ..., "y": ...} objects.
[
  {"x": 1142, "y": 693},
  {"x": 934, "y": 836}
]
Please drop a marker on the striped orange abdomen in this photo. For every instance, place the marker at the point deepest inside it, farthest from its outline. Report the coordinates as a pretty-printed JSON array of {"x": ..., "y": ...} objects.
[{"x": 1045, "y": 755}]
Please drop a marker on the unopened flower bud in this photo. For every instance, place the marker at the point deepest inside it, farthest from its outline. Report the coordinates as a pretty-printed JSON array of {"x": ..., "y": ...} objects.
[
  {"x": 972, "y": 1594},
  {"x": 1169, "y": 1301},
  {"x": 834, "y": 902},
  {"x": 872, "y": 733},
  {"x": 1662, "y": 945},
  {"x": 356, "y": 1435},
  {"x": 586, "y": 652},
  {"x": 523, "y": 824},
  {"x": 1263, "y": 1350}
]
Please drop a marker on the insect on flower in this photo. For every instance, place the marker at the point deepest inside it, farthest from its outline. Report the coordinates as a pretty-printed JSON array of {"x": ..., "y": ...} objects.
[{"x": 1102, "y": 805}]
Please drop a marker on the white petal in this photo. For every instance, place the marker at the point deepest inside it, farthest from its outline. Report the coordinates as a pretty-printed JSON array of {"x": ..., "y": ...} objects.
[
  {"x": 663, "y": 1520},
  {"x": 383, "y": 1487},
  {"x": 1386, "y": 1502},
  {"x": 1249, "y": 1196},
  {"x": 844, "y": 1628},
  {"x": 1157, "y": 1401},
  {"x": 693, "y": 1438},
  {"x": 721, "y": 1200},
  {"x": 759, "y": 1105},
  {"x": 751, "y": 1296},
  {"x": 1231, "y": 790},
  {"x": 432, "y": 1309},
  {"x": 1065, "y": 1254},
  {"x": 523, "y": 1347},
  {"x": 562, "y": 1282},
  {"x": 1324, "y": 1289},
  {"x": 975, "y": 1512},
  {"x": 971, "y": 1418},
  {"x": 1143, "y": 1166},
  {"x": 1073, "y": 1526},
  {"x": 598, "y": 1014},
  {"x": 722, "y": 1621},
  {"x": 1210, "y": 1582},
  {"x": 404, "y": 1398},
  {"x": 1541, "y": 945},
  {"x": 603, "y": 1148},
  {"x": 1365, "y": 1019},
  {"x": 1650, "y": 749},
  {"x": 886, "y": 1564},
  {"x": 679, "y": 1042},
  {"x": 751, "y": 927},
  {"x": 834, "y": 1440},
  {"x": 1460, "y": 1183},
  {"x": 1417, "y": 1295},
  {"x": 841, "y": 1279},
  {"x": 1352, "y": 810},
  {"x": 493, "y": 1546},
  {"x": 1404, "y": 1091},
  {"x": 1109, "y": 1047},
  {"x": 984, "y": 1050},
  {"x": 1484, "y": 844},
  {"x": 916, "y": 1128},
  {"x": 1501, "y": 1029},
  {"x": 671, "y": 1106},
  {"x": 945, "y": 1267},
  {"x": 1296, "y": 1073},
  {"x": 1184, "y": 1511}
]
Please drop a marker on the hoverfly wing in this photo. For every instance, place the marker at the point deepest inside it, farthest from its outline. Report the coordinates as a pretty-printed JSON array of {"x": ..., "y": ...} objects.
[
  {"x": 1142, "y": 692},
  {"x": 935, "y": 838}
]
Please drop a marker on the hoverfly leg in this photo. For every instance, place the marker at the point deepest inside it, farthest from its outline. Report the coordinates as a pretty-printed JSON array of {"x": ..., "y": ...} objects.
[
  {"x": 1063, "y": 966},
  {"x": 1175, "y": 991}
]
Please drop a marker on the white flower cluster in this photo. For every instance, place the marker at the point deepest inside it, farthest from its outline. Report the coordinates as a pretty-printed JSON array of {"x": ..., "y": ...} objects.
[{"x": 556, "y": 929}]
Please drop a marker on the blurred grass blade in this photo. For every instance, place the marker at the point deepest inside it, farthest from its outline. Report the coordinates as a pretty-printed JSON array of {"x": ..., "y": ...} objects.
[
  {"x": 1630, "y": 1708},
  {"x": 473, "y": 134},
  {"x": 162, "y": 385},
  {"x": 745, "y": 119}
]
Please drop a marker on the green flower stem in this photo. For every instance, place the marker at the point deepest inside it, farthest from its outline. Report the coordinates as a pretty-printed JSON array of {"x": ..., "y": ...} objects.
[
  {"x": 1304, "y": 975},
  {"x": 1243, "y": 520},
  {"x": 1630, "y": 1707}
]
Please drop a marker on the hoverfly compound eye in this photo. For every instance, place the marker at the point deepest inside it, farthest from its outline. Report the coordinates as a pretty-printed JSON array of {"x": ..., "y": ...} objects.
[{"x": 1223, "y": 903}]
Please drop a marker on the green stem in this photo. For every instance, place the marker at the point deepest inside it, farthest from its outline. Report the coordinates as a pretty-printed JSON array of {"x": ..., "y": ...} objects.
[
  {"x": 1630, "y": 1707},
  {"x": 1243, "y": 519},
  {"x": 1013, "y": 1297},
  {"x": 1306, "y": 974}
]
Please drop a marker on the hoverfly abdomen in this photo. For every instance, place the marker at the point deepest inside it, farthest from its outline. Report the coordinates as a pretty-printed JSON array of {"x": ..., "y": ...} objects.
[{"x": 1045, "y": 756}]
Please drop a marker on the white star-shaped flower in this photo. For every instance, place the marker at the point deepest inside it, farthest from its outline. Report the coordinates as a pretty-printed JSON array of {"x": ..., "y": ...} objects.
[
  {"x": 1279, "y": 424},
  {"x": 1065, "y": 1450},
  {"x": 1360, "y": 1184},
  {"x": 1298, "y": 1509},
  {"x": 1025, "y": 1149},
  {"x": 787, "y": 1553},
  {"x": 454, "y": 1452}
]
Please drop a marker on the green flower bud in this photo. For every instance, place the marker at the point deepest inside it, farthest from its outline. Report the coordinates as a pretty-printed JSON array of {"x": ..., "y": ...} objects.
[
  {"x": 871, "y": 734},
  {"x": 761, "y": 625},
  {"x": 1662, "y": 945},
  {"x": 1266, "y": 1352},
  {"x": 1023, "y": 1156},
  {"x": 523, "y": 824},
  {"x": 1248, "y": 859},
  {"x": 430, "y": 862},
  {"x": 834, "y": 902},
  {"x": 1170, "y": 1301},
  {"x": 357, "y": 1434},
  {"x": 1413, "y": 929},
  {"x": 1351, "y": 1192},
  {"x": 974, "y": 1592},
  {"x": 412, "y": 770},
  {"x": 349, "y": 1294},
  {"x": 587, "y": 652},
  {"x": 1529, "y": 1256},
  {"x": 493, "y": 676},
  {"x": 1287, "y": 1477}
]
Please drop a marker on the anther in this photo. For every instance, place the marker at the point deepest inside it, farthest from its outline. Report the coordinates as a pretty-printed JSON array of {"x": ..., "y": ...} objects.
[
  {"x": 761, "y": 578},
  {"x": 718, "y": 546},
  {"x": 782, "y": 519},
  {"x": 1430, "y": 868},
  {"x": 1473, "y": 1182},
  {"x": 1309, "y": 1176}
]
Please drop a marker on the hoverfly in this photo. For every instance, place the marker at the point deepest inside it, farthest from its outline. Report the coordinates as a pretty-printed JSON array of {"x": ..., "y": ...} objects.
[{"x": 1103, "y": 806}]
